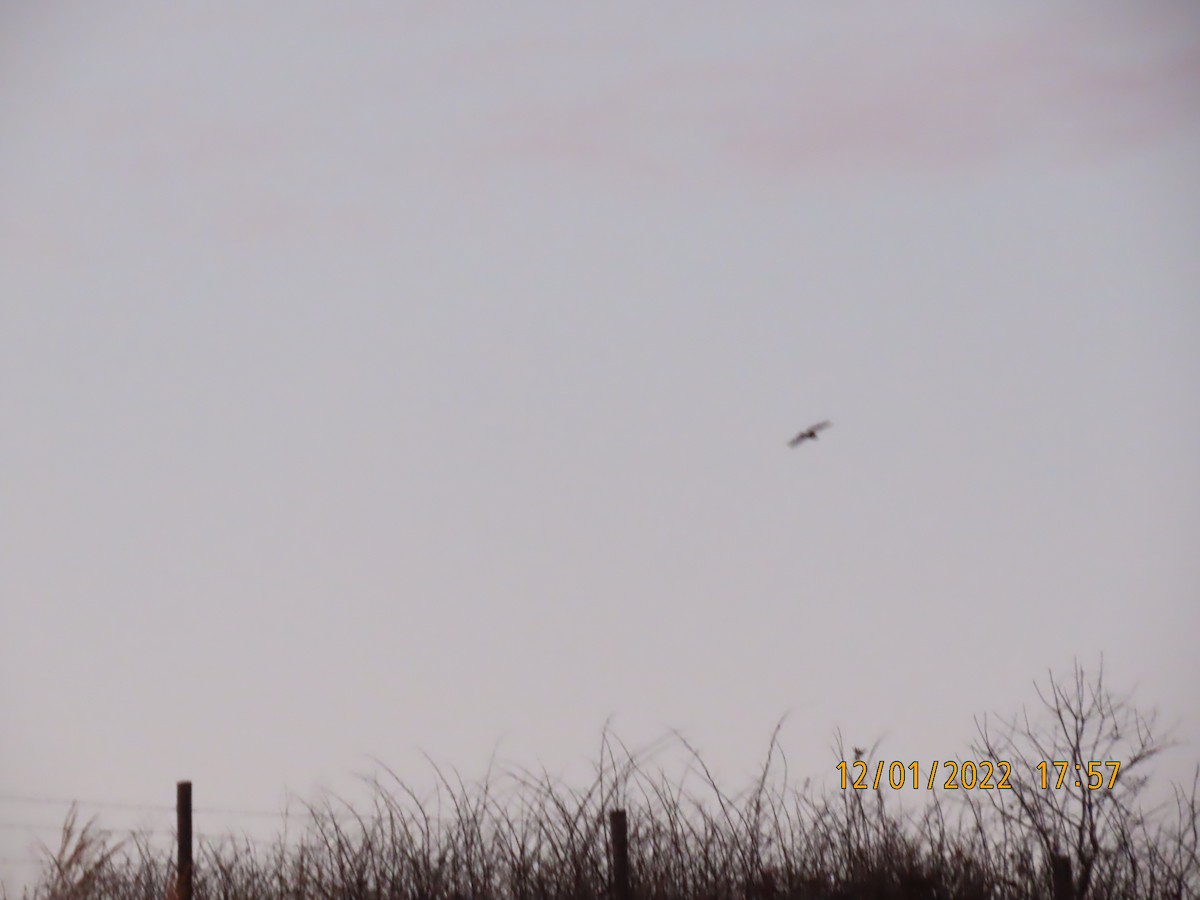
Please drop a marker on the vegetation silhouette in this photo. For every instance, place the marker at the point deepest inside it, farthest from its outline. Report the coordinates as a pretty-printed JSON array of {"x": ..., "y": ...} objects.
[{"x": 528, "y": 836}]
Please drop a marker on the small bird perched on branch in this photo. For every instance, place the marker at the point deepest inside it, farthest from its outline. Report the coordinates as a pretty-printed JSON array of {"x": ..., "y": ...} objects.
[{"x": 808, "y": 433}]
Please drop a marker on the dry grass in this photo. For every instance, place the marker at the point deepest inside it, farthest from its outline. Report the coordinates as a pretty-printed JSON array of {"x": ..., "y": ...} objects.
[{"x": 527, "y": 836}]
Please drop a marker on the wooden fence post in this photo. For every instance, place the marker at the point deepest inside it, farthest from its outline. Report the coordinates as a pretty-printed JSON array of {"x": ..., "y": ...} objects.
[
  {"x": 618, "y": 826},
  {"x": 183, "y": 817},
  {"x": 1061, "y": 879}
]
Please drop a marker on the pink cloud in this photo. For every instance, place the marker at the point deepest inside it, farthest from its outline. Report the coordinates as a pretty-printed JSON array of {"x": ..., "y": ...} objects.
[{"x": 1068, "y": 87}]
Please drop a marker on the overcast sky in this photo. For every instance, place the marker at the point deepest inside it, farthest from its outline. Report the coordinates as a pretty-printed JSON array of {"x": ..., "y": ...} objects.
[{"x": 382, "y": 378}]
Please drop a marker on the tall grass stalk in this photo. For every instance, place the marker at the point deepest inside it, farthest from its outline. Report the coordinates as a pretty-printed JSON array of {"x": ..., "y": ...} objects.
[{"x": 527, "y": 835}]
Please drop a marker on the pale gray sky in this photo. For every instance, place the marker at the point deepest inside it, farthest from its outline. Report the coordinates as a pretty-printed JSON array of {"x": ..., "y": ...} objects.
[{"x": 400, "y": 377}]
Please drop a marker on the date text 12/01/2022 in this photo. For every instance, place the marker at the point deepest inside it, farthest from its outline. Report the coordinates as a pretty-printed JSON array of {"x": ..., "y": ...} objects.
[{"x": 970, "y": 775}]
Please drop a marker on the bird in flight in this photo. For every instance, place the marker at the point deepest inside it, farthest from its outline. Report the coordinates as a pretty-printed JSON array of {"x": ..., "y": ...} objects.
[{"x": 808, "y": 433}]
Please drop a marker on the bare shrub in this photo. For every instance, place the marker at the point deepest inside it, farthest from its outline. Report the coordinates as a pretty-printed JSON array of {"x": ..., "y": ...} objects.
[{"x": 527, "y": 835}]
